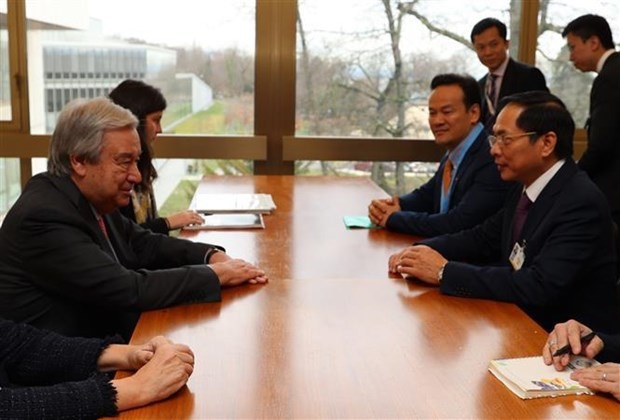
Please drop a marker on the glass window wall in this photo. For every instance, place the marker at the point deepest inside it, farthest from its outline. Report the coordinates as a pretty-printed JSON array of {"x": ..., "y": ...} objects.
[
  {"x": 202, "y": 61},
  {"x": 552, "y": 56},
  {"x": 364, "y": 69}
]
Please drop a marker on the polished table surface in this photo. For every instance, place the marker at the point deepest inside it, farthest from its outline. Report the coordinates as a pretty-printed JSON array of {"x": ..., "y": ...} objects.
[
  {"x": 305, "y": 238},
  {"x": 333, "y": 335}
]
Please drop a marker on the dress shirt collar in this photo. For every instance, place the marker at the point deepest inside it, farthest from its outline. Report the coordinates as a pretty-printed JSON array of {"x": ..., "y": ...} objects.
[
  {"x": 604, "y": 57},
  {"x": 534, "y": 190},
  {"x": 457, "y": 154},
  {"x": 499, "y": 72}
]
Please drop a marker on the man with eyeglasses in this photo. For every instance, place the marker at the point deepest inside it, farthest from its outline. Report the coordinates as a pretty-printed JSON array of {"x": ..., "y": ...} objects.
[
  {"x": 466, "y": 189},
  {"x": 550, "y": 249}
]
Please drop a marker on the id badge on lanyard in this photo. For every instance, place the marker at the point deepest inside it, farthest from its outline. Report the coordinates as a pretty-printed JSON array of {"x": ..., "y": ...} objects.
[{"x": 517, "y": 256}]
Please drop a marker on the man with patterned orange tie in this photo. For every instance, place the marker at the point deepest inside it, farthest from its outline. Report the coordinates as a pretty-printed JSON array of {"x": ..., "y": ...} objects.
[
  {"x": 466, "y": 189},
  {"x": 506, "y": 76},
  {"x": 550, "y": 249}
]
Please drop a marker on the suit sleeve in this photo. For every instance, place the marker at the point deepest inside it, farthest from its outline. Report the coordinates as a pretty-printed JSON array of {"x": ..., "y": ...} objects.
[
  {"x": 480, "y": 243},
  {"x": 94, "y": 397},
  {"x": 64, "y": 258},
  {"x": 34, "y": 356},
  {"x": 604, "y": 126},
  {"x": 422, "y": 199},
  {"x": 611, "y": 351},
  {"x": 157, "y": 225},
  {"x": 483, "y": 197},
  {"x": 551, "y": 271},
  {"x": 536, "y": 80},
  {"x": 55, "y": 379}
]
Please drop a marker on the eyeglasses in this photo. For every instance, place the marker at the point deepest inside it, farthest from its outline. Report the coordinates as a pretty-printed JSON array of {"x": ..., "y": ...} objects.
[{"x": 505, "y": 139}]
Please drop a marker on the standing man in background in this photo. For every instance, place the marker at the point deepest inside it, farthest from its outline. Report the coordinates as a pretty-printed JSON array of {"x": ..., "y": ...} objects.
[
  {"x": 506, "y": 76},
  {"x": 591, "y": 48}
]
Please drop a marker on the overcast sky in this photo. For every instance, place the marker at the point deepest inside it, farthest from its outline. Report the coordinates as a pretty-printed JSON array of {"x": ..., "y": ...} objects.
[
  {"x": 214, "y": 24},
  {"x": 218, "y": 24}
]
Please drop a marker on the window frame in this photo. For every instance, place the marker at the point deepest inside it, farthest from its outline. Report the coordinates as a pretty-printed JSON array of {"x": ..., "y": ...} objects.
[
  {"x": 18, "y": 82},
  {"x": 274, "y": 148}
]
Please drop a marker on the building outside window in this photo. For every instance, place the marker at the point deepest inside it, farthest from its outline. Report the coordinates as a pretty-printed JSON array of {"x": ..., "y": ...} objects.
[{"x": 363, "y": 69}]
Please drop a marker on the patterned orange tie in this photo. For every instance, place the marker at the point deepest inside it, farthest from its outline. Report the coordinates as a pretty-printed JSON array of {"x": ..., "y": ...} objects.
[{"x": 447, "y": 176}]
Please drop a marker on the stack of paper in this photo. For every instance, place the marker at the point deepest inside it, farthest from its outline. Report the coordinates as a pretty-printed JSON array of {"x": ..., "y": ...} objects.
[
  {"x": 233, "y": 203},
  {"x": 231, "y": 211},
  {"x": 230, "y": 221}
]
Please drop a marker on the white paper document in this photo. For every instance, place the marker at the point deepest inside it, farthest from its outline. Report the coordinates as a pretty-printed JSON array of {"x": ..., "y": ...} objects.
[{"x": 232, "y": 203}]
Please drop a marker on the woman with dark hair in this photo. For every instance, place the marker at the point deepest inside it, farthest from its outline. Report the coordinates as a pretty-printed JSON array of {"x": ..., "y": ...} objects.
[{"x": 148, "y": 104}]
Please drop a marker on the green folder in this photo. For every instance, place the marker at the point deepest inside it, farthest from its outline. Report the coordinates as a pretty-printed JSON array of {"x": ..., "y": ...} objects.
[{"x": 359, "y": 222}]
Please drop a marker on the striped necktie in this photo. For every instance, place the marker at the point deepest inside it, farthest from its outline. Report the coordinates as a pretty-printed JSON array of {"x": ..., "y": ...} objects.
[{"x": 492, "y": 93}]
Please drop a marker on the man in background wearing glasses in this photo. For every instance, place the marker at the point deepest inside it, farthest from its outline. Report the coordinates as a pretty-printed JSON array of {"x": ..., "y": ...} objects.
[{"x": 550, "y": 249}]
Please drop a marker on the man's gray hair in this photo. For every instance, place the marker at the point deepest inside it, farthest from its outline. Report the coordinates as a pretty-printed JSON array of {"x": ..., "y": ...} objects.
[{"x": 80, "y": 129}]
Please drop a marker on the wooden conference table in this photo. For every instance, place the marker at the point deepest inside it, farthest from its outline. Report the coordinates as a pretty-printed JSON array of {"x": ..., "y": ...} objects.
[{"x": 333, "y": 335}]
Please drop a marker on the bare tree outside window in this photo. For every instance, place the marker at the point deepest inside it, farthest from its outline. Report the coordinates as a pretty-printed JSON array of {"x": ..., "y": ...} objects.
[
  {"x": 363, "y": 68},
  {"x": 368, "y": 75},
  {"x": 378, "y": 64}
]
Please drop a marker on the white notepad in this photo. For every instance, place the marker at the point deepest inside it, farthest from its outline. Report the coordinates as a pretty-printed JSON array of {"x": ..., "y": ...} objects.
[{"x": 529, "y": 377}]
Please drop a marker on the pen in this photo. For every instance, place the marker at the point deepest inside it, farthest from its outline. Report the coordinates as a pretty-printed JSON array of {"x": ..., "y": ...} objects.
[{"x": 566, "y": 349}]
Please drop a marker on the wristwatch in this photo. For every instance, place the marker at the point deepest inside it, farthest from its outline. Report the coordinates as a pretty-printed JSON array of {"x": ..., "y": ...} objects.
[
  {"x": 440, "y": 273},
  {"x": 210, "y": 253}
]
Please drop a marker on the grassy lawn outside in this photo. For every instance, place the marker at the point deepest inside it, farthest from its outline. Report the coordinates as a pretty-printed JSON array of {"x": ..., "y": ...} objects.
[
  {"x": 180, "y": 198},
  {"x": 175, "y": 112},
  {"x": 207, "y": 121},
  {"x": 214, "y": 121}
]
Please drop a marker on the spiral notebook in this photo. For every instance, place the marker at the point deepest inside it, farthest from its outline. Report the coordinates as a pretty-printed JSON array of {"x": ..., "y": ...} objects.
[{"x": 529, "y": 377}]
